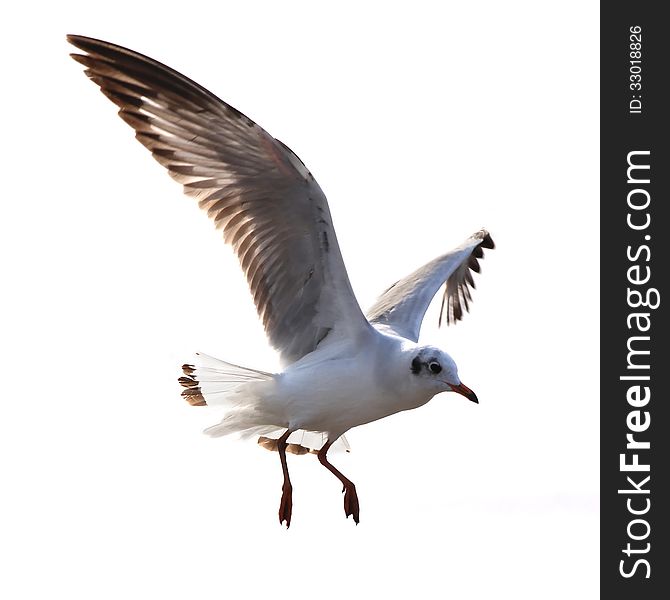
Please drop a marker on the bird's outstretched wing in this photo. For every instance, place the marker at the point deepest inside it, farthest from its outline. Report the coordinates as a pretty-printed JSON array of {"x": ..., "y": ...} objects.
[
  {"x": 404, "y": 304},
  {"x": 255, "y": 188}
]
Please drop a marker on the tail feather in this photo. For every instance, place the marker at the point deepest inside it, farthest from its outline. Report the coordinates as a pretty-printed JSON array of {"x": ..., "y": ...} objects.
[
  {"x": 211, "y": 381},
  {"x": 192, "y": 394},
  {"x": 243, "y": 422},
  {"x": 240, "y": 390}
]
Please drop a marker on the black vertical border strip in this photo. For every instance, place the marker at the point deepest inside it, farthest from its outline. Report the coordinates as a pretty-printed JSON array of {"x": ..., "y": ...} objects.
[{"x": 621, "y": 133}]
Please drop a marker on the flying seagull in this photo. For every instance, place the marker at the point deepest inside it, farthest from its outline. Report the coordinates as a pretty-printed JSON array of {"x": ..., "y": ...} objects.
[{"x": 341, "y": 368}]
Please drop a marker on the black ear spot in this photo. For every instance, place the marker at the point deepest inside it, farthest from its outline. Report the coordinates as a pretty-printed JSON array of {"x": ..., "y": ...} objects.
[
  {"x": 416, "y": 365},
  {"x": 434, "y": 367}
]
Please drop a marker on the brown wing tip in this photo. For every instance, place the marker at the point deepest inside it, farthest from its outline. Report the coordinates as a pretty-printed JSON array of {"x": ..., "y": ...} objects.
[
  {"x": 94, "y": 45},
  {"x": 456, "y": 304},
  {"x": 87, "y": 44},
  {"x": 82, "y": 59},
  {"x": 486, "y": 239}
]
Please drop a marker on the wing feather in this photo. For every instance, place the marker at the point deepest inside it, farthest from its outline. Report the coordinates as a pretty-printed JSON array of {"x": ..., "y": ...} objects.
[
  {"x": 253, "y": 187},
  {"x": 403, "y": 306}
]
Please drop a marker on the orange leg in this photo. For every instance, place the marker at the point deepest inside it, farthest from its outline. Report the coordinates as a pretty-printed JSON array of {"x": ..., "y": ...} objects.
[
  {"x": 286, "y": 504},
  {"x": 349, "y": 489}
]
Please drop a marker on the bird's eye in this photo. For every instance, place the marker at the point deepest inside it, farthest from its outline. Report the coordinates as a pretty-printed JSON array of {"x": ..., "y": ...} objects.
[{"x": 434, "y": 367}]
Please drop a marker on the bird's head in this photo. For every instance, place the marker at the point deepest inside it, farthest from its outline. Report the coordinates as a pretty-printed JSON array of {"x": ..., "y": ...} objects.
[{"x": 435, "y": 370}]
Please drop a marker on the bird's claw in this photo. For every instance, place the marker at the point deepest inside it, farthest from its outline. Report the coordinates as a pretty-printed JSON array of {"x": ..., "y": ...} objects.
[{"x": 286, "y": 505}]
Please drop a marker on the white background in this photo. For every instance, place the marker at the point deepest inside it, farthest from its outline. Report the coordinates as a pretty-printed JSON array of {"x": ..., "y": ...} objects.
[{"x": 422, "y": 123}]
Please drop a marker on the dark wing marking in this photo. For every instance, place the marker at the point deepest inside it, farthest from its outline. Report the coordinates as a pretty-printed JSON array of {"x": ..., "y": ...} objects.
[{"x": 404, "y": 304}]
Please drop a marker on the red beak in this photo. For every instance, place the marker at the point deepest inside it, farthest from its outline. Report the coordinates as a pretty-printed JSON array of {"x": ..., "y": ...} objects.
[{"x": 464, "y": 390}]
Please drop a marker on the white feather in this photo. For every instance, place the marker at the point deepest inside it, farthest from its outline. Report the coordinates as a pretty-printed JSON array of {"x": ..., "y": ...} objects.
[{"x": 243, "y": 392}]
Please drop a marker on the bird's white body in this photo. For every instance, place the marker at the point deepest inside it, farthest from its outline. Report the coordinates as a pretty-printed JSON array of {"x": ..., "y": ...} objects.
[
  {"x": 345, "y": 385},
  {"x": 338, "y": 386}
]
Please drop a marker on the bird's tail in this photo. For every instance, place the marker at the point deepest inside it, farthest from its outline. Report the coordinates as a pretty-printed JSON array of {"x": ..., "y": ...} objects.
[
  {"x": 209, "y": 381},
  {"x": 214, "y": 382}
]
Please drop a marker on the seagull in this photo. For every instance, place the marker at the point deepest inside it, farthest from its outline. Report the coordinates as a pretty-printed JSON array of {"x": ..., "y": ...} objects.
[{"x": 341, "y": 368}]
